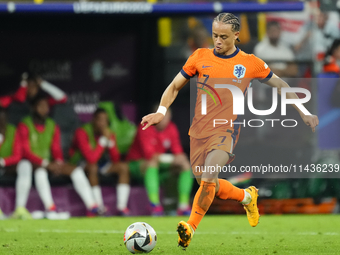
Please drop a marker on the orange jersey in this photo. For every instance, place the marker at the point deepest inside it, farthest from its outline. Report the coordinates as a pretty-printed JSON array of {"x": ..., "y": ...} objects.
[{"x": 237, "y": 69}]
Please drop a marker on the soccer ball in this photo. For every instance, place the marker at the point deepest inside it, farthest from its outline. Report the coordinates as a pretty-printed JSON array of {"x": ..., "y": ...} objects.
[{"x": 140, "y": 237}]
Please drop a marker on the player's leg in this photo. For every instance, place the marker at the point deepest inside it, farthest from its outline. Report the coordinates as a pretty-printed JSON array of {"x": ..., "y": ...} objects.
[
  {"x": 151, "y": 182},
  {"x": 204, "y": 195},
  {"x": 43, "y": 187},
  {"x": 226, "y": 190},
  {"x": 23, "y": 185},
  {"x": 208, "y": 186},
  {"x": 92, "y": 172},
  {"x": 81, "y": 185},
  {"x": 185, "y": 182},
  {"x": 248, "y": 197},
  {"x": 123, "y": 186},
  {"x": 197, "y": 159}
]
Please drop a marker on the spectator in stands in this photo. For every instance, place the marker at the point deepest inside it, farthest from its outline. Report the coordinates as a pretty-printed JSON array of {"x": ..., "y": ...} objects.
[
  {"x": 91, "y": 144},
  {"x": 10, "y": 146},
  {"x": 197, "y": 37},
  {"x": 40, "y": 139},
  {"x": 278, "y": 56},
  {"x": 31, "y": 85},
  {"x": 332, "y": 59},
  {"x": 146, "y": 155},
  {"x": 327, "y": 31}
]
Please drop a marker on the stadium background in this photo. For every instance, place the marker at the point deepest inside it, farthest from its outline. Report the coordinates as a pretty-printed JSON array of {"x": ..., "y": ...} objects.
[{"x": 130, "y": 58}]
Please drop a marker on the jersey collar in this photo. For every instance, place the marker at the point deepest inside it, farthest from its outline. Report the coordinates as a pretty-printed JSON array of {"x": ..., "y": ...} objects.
[{"x": 227, "y": 56}]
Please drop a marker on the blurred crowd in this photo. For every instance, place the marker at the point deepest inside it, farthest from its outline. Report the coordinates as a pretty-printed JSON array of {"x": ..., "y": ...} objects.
[
  {"x": 33, "y": 149},
  {"x": 290, "y": 42}
]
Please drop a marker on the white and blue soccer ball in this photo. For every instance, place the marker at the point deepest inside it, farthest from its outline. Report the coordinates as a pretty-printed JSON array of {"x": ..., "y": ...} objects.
[{"x": 140, "y": 237}]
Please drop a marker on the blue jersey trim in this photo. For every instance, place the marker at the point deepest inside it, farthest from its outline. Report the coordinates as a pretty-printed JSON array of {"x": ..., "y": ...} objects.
[
  {"x": 269, "y": 76},
  {"x": 187, "y": 76},
  {"x": 227, "y": 56}
]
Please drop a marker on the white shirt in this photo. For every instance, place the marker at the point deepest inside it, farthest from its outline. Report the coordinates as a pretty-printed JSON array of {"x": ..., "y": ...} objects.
[
  {"x": 324, "y": 38},
  {"x": 277, "y": 56}
]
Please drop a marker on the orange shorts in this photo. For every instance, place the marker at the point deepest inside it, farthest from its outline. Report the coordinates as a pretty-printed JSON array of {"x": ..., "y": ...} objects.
[{"x": 199, "y": 148}]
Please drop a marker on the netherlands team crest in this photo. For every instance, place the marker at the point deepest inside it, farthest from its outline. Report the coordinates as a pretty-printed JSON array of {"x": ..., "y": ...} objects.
[{"x": 239, "y": 71}]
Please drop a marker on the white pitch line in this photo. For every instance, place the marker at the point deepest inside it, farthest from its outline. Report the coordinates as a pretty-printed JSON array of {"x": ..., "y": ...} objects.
[{"x": 89, "y": 231}]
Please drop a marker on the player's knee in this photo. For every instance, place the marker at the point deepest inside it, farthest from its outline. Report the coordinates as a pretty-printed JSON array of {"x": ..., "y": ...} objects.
[
  {"x": 184, "y": 165},
  {"x": 210, "y": 180},
  {"x": 92, "y": 169},
  {"x": 123, "y": 169},
  {"x": 24, "y": 168},
  {"x": 154, "y": 161},
  {"x": 210, "y": 176},
  {"x": 181, "y": 160}
]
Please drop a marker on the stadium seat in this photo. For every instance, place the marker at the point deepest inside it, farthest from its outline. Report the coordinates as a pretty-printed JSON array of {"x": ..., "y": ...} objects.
[
  {"x": 17, "y": 111},
  {"x": 65, "y": 116}
]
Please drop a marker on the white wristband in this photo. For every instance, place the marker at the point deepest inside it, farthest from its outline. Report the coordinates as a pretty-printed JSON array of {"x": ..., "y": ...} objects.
[
  {"x": 23, "y": 83},
  {"x": 162, "y": 110},
  {"x": 45, "y": 163},
  {"x": 2, "y": 162},
  {"x": 103, "y": 141},
  {"x": 111, "y": 144}
]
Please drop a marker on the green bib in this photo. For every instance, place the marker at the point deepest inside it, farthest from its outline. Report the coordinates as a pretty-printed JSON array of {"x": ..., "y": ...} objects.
[
  {"x": 77, "y": 156},
  {"x": 40, "y": 142},
  {"x": 89, "y": 131},
  {"x": 6, "y": 148}
]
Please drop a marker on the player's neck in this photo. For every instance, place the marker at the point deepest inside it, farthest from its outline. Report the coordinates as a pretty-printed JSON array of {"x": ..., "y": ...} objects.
[
  {"x": 227, "y": 53},
  {"x": 38, "y": 120},
  {"x": 230, "y": 51},
  {"x": 2, "y": 130}
]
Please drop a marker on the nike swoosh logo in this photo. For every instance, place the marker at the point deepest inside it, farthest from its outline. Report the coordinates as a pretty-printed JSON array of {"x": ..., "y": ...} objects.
[
  {"x": 206, "y": 66},
  {"x": 198, "y": 213},
  {"x": 220, "y": 144}
]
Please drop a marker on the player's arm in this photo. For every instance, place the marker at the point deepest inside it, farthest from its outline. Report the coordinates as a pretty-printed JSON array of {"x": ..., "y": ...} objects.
[
  {"x": 26, "y": 148},
  {"x": 113, "y": 149},
  {"x": 91, "y": 155},
  {"x": 16, "y": 155},
  {"x": 56, "y": 148},
  {"x": 168, "y": 97},
  {"x": 276, "y": 82},
  {"x": 57, "y": 96},
  {"x": 19, "y": 95}
]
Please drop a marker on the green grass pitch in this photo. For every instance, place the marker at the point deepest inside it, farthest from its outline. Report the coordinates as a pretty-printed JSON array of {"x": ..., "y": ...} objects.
[{"x": 289, "y": 234}]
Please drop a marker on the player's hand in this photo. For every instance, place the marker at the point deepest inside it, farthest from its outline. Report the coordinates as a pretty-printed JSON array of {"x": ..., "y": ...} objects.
[
  {"x": 55, "y": 167},
  {"x": 311, "y": 121},
  {"x": 151, "y": 119},
  {"x": 107, "y": 132},
  {"x": 24, "y": 76},
  {"x": 39, "y": 81}
]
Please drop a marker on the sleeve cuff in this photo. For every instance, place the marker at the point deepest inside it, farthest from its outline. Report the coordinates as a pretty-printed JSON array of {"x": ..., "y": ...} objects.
[
  {"x": 45, "y": 163},
  {"x": 270, "y": 75},
  {"x": 103, "y": 141},
  {"x": 2, "y": 162},
  {"x": 23, "y": 83},
  {"x": 187, "y": 76},
  {"x": 111, "y": 144},
  {"x": 59, "y": 161}
]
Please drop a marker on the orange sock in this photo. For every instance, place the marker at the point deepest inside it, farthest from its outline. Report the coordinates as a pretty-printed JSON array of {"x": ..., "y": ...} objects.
[
  {"x": 202, "y": 201},
  {"x": 229, "y": 191}
]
